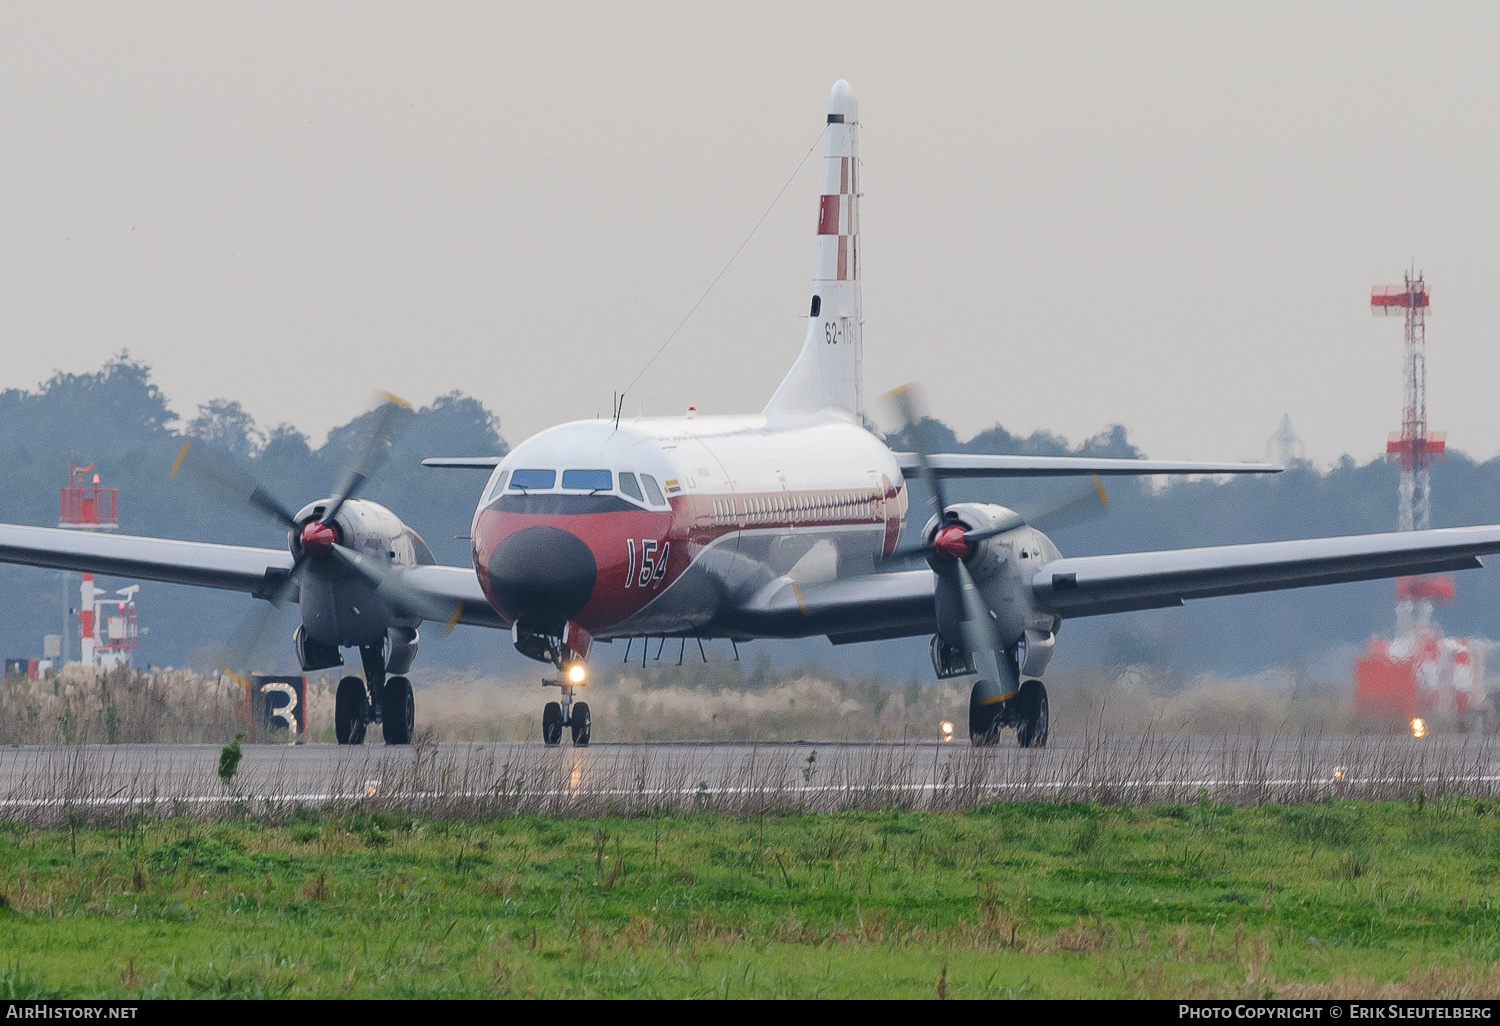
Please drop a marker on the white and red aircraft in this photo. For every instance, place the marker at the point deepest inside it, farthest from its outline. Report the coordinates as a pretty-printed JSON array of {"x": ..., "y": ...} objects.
[{"x": 780, "y": 524}]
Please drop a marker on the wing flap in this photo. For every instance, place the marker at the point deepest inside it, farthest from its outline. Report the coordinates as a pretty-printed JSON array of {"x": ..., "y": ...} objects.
[
  {"x": 1090, "y": 585},
  {"x": 963, "y": 465}
]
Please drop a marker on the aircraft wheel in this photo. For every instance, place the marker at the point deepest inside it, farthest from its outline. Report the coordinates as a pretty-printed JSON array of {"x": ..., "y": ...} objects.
[
  {"x": 984, "y": 717},
  {"x": 398, "y": 712},
  {"x": 1031, "y": 715},
  {"x": 552, "y": 723},
  {"x": 350, "y": 705},
  {"x": 581, "y": 723}
]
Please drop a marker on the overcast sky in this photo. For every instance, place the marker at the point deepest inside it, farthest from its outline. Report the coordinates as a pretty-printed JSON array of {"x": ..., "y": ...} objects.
[{"x": 1165, "y": 216}]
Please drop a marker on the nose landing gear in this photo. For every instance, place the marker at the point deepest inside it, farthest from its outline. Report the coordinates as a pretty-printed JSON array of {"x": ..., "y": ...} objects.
[{"x": 567, "y": 713}]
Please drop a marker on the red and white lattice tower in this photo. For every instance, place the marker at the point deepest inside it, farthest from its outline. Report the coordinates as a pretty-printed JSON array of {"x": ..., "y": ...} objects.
[
  {"x": 1415, "y": 447},
  {"x": 1420, "y": 672},
  {"x": 106, "y": 629}
]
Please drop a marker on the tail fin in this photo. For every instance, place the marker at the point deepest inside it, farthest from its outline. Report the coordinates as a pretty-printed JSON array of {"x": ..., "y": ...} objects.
[{"x": 827, "y": 373}]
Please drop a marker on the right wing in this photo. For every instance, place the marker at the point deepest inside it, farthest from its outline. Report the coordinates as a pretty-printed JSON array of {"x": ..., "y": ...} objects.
[
  {"x": 1090, "y": 585},
  {"x": 207, "y": 565}
]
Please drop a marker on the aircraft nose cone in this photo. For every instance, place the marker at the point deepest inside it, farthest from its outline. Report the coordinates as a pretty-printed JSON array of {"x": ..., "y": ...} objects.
[{"x": 542, "y": 574}]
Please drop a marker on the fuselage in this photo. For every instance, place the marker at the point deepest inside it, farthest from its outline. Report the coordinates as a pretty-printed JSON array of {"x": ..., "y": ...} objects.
[{"x": 656, "y": 525}]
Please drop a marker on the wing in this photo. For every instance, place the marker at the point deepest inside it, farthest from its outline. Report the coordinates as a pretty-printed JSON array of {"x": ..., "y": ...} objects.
[
  {"x": 1089, "y": 585},
  {"x": 954, "y": 465},
  {"x": 455, "y": 585},
  {"x": 229, "y": 567},
  {"x": 256, "y": 572},
  {"x": 866, "y": 608}
]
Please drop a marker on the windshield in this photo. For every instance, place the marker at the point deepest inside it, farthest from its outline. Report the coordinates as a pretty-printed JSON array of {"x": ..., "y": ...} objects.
[
  {"x": 652, "y": 490},
  {"x": 496, "y": 486},
  {"x": 539, "y": 480},
  {"x": 629, "y": 487},
  {"x": 590, "y": 480}
]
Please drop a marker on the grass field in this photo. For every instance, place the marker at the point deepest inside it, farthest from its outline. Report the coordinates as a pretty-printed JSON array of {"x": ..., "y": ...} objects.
[{"x": 1033, "y": 900}]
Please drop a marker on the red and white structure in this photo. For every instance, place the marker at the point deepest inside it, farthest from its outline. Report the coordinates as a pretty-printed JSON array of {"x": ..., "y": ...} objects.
[
  {"x": 107, "y": 628},
  {"x": 1419, "y": 672}
]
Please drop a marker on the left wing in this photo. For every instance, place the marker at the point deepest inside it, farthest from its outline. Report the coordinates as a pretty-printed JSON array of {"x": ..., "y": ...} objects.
[
  {"x": 961, "y": 465},
  {"x": 1089, "y": 585}
]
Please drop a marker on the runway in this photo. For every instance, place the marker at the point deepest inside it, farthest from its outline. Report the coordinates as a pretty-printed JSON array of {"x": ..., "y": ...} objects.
[{"x": 41, "y": 783}]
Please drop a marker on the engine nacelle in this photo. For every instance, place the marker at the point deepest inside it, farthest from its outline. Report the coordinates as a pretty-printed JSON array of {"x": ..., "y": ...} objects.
[
  {"x": 341, "y": 607},
  {"x": 1034, "y": 652},
  {"x": 1002, "y": 567}
]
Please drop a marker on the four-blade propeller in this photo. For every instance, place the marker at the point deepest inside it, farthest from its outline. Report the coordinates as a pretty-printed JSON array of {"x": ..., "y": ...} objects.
[
  {"x": 954, "y": 541},
  {"x": 317, "y": 538}
]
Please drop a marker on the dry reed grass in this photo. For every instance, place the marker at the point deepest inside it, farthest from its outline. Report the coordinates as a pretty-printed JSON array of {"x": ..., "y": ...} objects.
[
  {"x": 717, "y": 701},
  {"x": 79, "y": 706}
]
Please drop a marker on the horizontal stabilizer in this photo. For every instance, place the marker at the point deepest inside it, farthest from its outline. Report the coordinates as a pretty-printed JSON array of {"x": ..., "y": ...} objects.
[
  {"x": 962, "y": 465},
  {"x": 463, "y": 462}
]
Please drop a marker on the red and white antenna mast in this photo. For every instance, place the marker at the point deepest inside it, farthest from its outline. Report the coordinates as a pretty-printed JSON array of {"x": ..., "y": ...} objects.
[{"x": 1415, "y": 447}]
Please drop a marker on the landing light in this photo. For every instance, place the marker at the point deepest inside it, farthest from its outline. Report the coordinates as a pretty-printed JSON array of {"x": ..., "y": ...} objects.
[
  {"x": 947, "y": 728},
  {"x": 577, "y": 673},
  {"x": 1418, "y": 727}
]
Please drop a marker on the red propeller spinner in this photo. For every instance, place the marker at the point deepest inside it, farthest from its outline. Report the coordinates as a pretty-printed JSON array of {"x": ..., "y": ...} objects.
[
  {"x": 317, "y": 538},
  {"x": 951, "y": 543}
]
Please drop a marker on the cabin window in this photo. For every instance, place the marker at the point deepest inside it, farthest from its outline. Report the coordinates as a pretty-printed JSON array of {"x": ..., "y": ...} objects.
[
  {"x": 653, "y": 490},
  {"x": 817, "y": 306},
  {"x": 589, "y": 480},
  {"x": 533, "y": 480},
  {"x": 629, "y": 487}
]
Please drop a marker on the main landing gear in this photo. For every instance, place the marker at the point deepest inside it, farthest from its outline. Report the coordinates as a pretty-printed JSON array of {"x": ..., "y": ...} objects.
[
  {"x": 1026, "y": 710},
  {"x": 567, "y": 713},
  {"x": 387, "y": 701}
]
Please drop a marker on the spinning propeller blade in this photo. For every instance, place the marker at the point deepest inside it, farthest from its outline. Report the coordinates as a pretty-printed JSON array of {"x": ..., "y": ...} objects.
[
  {"x": 954, "y": 541},
  {"x": 390, "y": 586},
  {"x": 389, "y": 420},
  {"x": 907, "y": 401},
  {"x": 1072, "y": 506},
  {"x": 249, "y": 637},
  {"x": 219, "y": 475},
  {"x": 978, "y": 627}
]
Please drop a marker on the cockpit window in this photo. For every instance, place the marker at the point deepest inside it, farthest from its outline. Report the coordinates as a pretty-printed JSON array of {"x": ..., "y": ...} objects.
[
  {"x": 589, "y": 480},
  {"x": 533, "y": 480},
  {"x": 496, "y": 486},
  {"x": 653, "y": 490},
  {"x": 629, "y": 487}
]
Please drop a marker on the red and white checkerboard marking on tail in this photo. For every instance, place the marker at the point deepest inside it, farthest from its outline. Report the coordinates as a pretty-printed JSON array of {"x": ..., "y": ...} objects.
[{"x": 827, "y": 373}]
